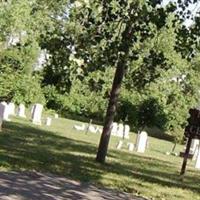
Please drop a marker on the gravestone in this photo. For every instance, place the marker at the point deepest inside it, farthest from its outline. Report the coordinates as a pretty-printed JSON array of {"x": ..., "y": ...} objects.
[
  {"x": 37, "y": 114},
  {"x": 93, "y": 129},
  {"x": 11, "y": 108},
  {"x": 114, "y": 128},
  {"x": 195, "y": 153},
  {"x": 21, "y": 110},
  {"x": 197, "y": 164},
  {"x": 2, "y": 110},
  {"x": 141, "y": 142},
  {"x": 130, "y": 146},
  {"x": 79, "y": 127},
  {"x": 126, "y": 131},
  {"x": 5, "y": 112},
  {"x": 194, "y": 146},
  {"x": 48, "y": 121},
  {"x": 56, "y": 116},
  {"x": 120, "y": 130}
]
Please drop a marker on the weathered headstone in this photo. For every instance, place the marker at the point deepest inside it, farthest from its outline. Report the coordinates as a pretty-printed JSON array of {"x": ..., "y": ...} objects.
[
  {"x": 2, "y": 110},
  {"x": 197, "y": 164},
  {"x": 21, "y": 110},
  {"x": 11, "y": 108},
  {"x": 5, "y": 112},
  {"x": 93, "y": 129},
  {"x": 126, "y": 131},
  {"x": 37, "y": 114},
  {"x": 120, "y": 130},
  {"x": 195, "y": 153},
  {"x": 194, "y": 145},
  {"x": 130, "y": 146},
  {"x": 79, "y": 127},
  {"x": 48, "y": 121},
  {"x": 141, "y": 142},
  {"x": 56, "y": 116},
  {"x": 114, "y": 128}
]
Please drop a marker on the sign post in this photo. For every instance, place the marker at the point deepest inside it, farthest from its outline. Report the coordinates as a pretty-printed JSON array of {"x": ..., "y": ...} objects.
[{"x": 192, "y": 131}]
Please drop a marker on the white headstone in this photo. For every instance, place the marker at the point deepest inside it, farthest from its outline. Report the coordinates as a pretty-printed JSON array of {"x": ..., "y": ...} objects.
[
  {"x": 114, "y": 128},
  {"x": 79, "y": 127},
  {"x": 2, "y": 110},
  {"x": 48, "y": 121},
  {"x": 120, "y": 130},
  {"x": 21, "y": 110},
  {"x": 5, "y": 111},
  {"x": 197, "y": 164},
  {"x": 11, "y": 108},
  {"x": 194, "y": 145},
  {"x": 119, "y": 145},
  {"x": 100, "y": 130},
  {"x": 93, "y": 129},
  {"x": 195, "y": 153},
  {"x": 130, "y": 146},
  {"x": 56, "y": 116},
  {"x": 37, "y": 114},
  {"x": 126, "y": 131},
  {"x": 141, "y": 142}
]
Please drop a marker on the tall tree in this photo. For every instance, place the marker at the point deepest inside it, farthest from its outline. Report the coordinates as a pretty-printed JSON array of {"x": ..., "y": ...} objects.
[{"x": 141, "y": 18}]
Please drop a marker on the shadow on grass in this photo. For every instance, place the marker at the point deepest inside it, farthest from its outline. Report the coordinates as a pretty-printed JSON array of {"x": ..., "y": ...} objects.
[{"x": 23, "y": 147}]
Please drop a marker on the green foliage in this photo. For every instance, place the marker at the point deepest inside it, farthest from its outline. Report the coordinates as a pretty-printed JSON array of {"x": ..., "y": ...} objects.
[
  {"x": 86, "y": 40},
  {"x": 27, "y": 90}
]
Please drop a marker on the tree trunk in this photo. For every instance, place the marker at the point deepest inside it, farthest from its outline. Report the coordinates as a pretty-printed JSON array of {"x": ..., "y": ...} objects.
[
  {"x": 121, "y": 67},
  {"x": 105, "y": 137}
]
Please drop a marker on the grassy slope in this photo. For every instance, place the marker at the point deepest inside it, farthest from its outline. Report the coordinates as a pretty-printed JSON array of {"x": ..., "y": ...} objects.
[{"x": 60, "y": 149}]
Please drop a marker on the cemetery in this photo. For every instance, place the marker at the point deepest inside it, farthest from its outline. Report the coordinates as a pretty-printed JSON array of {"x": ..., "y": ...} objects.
[
  {"x": 133, "y": 165},
  {"x": 100, "y": 99}
]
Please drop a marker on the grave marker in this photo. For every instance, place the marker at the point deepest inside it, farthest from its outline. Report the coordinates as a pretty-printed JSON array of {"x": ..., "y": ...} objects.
[
  {"x": 141, "y": 142},
  {"x": 37, "y": 114},
  {"x": 114, "y": 128},
  {"x": 120, "y": 130},
  {"x": 48, "y": 121},
  {"x": 11, "y": 108},
  {"x": 21, "y": 110},
  {"x": 197, "y": 164},
  {"x": 126, "y": 131}
]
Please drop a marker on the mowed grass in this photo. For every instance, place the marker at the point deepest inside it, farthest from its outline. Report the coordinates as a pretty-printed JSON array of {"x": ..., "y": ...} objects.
[{"x": 61, "y": 150}]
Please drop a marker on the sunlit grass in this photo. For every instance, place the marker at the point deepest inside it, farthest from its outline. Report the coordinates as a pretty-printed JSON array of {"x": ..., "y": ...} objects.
[{"x": 62, "y": 150}]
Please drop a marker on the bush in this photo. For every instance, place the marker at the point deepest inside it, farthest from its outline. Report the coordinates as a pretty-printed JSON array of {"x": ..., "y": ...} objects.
[{"x": 27, "y": 90}]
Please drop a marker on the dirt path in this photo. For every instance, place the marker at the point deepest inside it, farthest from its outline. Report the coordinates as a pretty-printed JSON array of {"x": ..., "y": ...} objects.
[{"x": 37, "y": 186}]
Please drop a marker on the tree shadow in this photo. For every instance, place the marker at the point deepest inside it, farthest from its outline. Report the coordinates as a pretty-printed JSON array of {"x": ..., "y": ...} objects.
[
  {"x": 40, "y": 186},
  {"x": 24, "y": 147}
]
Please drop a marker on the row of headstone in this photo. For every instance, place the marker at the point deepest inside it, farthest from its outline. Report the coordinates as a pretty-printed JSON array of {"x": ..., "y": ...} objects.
[
  {"x": 141, "y": 143},
  {"x": 120, "y": 130},
  {"x": 36, "y": 113}
]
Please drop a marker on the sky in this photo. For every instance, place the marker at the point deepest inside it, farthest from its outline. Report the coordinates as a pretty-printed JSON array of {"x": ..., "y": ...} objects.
[{"x": 193, "y": 7}]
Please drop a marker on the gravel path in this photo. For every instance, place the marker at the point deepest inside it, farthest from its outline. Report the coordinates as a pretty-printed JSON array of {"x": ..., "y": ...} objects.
[{"x": 37, "y": 186}]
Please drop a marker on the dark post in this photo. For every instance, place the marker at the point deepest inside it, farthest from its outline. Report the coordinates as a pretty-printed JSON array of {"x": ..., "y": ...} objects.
[{"x": 186, "y": 156}]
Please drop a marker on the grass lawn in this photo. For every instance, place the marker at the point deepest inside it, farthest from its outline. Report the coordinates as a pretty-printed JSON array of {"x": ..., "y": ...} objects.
[{"x": 62, "y": 150}]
